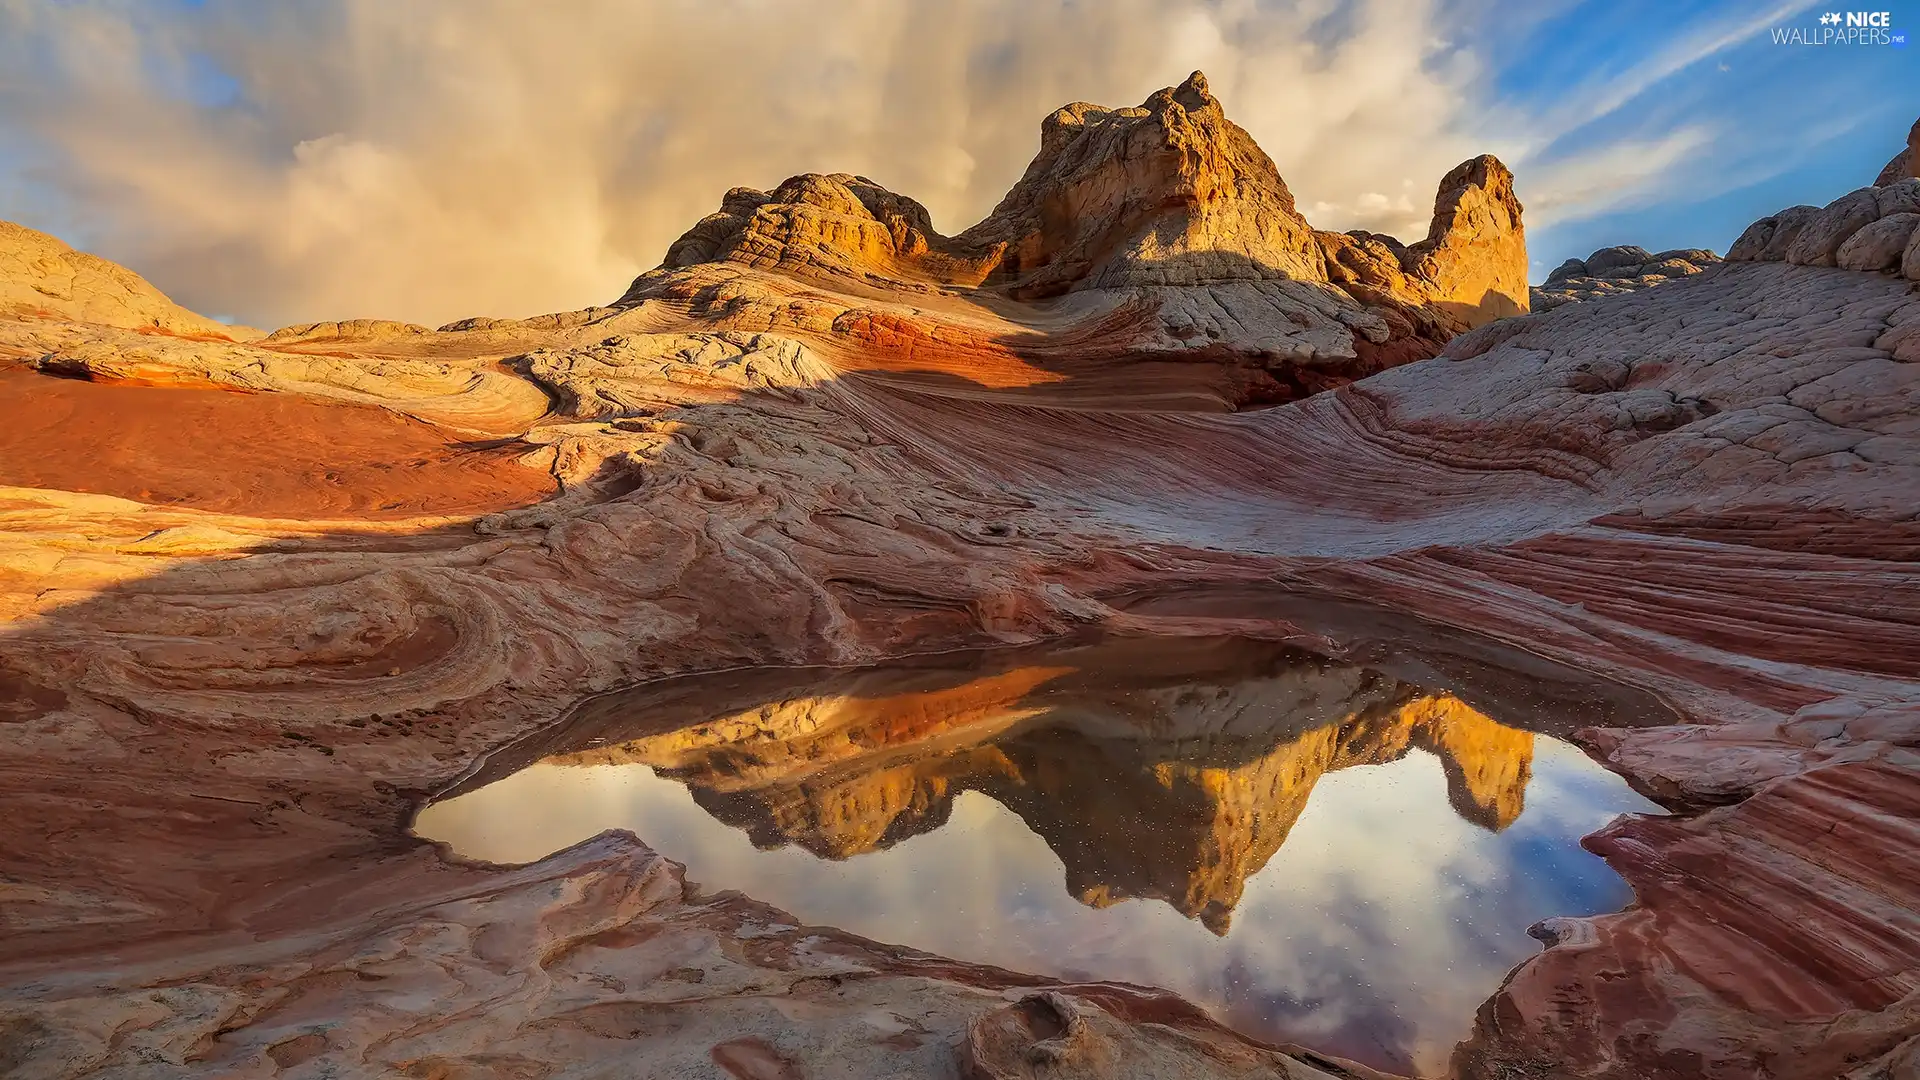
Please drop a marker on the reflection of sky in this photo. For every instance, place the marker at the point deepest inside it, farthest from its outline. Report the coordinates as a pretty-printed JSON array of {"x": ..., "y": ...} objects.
[{"x": 1376, "y": 931}]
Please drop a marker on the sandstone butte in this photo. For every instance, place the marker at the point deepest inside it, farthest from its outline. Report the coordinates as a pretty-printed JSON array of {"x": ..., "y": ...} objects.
[{"x": 239, "y": 659}]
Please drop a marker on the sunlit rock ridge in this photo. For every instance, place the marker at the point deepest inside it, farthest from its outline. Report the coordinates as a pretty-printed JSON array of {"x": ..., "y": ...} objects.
[
  {"x": 43, "y": 278},
  {"x": 247, "y": 634},
  {"x": 1164, "y": 227}
]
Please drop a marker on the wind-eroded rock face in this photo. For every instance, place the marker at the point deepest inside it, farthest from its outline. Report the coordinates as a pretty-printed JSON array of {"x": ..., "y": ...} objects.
[
  {"x": 1170, "y": 194},
  {"x": 40, "y": 277},
  {"x": 1474, "y": 259}
]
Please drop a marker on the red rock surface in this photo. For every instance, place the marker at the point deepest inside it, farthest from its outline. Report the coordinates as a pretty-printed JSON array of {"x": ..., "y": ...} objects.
[
  {"x": 263, "y": 455},
  {"x": 217, "y": 723}
]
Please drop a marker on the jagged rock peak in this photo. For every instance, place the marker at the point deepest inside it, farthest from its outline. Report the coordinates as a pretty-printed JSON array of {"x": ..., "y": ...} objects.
[
  {"x": 1167, "y": 193},
  {"x": 1475, "y": 253}
]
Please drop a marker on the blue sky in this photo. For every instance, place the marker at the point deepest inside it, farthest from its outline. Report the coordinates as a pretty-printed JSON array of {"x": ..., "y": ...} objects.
[
  {"x": 1790, "y": 124},
  {"x": 438, "y": 159}
]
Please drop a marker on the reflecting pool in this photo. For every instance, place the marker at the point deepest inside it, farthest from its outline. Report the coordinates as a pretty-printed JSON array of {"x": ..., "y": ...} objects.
[{"x": 1317, "y": 851}]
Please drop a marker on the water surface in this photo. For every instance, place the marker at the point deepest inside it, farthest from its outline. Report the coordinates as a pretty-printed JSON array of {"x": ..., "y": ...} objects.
[{"x": 1316, "y": 851}]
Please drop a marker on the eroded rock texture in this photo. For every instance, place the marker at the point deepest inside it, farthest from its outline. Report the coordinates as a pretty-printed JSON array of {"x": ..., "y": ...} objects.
[
  {"x": 1169, "y": 213},
  {"x": 823, "y": 435},
  {"x": 41, "y": 277},
  {"x": 1615, "y": 270},
  {"x": 1869, "y": 229}
]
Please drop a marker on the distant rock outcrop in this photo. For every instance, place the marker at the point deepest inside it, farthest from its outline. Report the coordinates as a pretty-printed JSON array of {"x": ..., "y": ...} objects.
[
  {"x": 351, "y": 329},
  {"x": 1615, "y": 270},
  {"x": 40, "y": 277},
  {"x": 1167, "y": 194},
  {"x": 1871, "y": 228}
]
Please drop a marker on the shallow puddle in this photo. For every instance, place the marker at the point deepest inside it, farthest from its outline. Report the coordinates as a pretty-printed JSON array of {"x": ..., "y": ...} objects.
[{"x": 1317, "y": 851}]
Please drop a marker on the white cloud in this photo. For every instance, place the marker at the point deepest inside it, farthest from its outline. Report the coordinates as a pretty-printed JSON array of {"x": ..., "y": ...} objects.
[{"x": 1607, "y": 176}]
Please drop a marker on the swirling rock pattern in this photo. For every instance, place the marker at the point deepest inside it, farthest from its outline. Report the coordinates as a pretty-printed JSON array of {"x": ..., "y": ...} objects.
[{"x": 218, "y": 720}]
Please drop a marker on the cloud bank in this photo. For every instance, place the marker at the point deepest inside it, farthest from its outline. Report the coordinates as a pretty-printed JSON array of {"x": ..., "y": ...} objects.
[{"x": 430, "y": 161}]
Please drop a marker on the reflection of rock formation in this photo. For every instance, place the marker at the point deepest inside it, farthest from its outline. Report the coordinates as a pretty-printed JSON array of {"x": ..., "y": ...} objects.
[
  {"x": 1176, "y": 793},
  {"x": 1190, "y": 824}
]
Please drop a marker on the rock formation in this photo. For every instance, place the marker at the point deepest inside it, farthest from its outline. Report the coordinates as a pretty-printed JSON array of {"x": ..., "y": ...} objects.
[
  {"x": 1474, "y": 258},
  {"x": 1614, "y": 270},
  {"x": 1905, "y": 164},
  {"x": 353, "y": 329},
  {"x": 1872, "y": 228},
  {"x": 1166, "y": 213},
  {"x": 1170, "y": 193},
  {"x": 40, "y": 277},
  {"x": 218, "y": 720}
]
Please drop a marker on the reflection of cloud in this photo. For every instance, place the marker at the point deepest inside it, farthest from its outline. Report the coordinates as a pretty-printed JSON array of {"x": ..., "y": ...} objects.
[
  {"x": 1345, "y": 1015},
  {"x": 1389, "y": 915}
]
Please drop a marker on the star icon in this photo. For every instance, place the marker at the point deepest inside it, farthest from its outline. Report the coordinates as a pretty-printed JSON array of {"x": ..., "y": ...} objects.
[{"x": 1830, "y": 18}]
